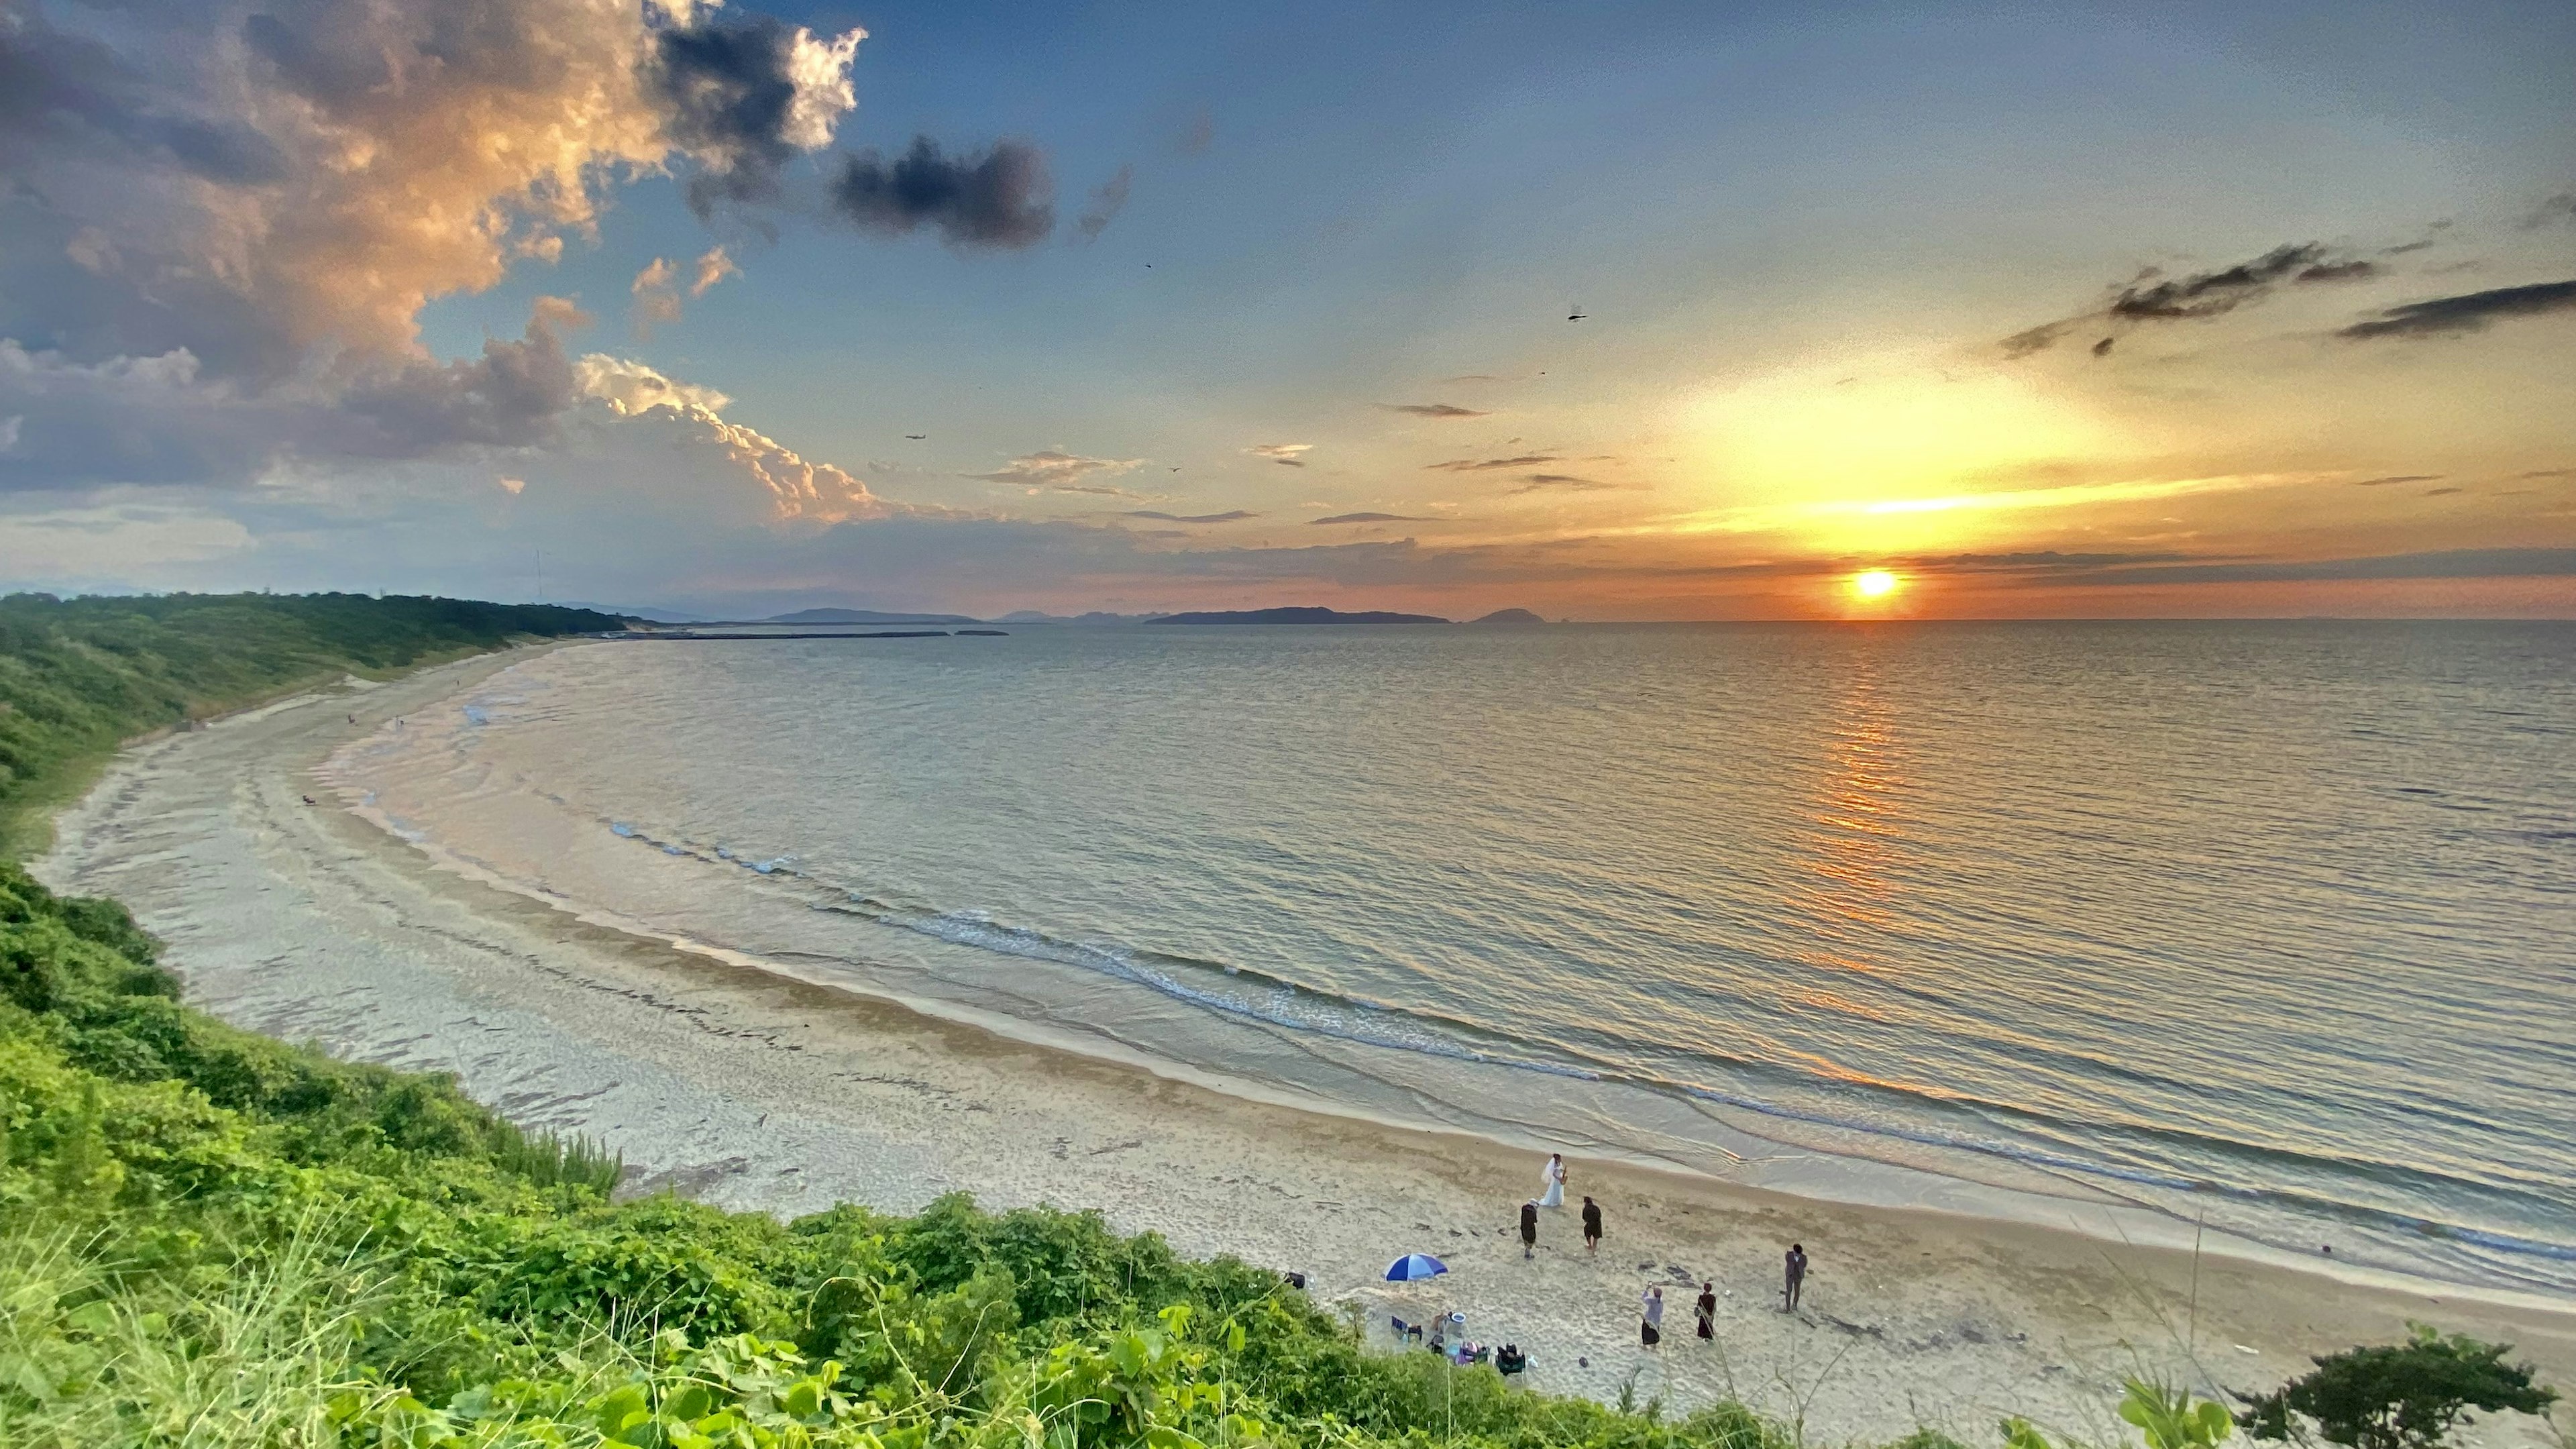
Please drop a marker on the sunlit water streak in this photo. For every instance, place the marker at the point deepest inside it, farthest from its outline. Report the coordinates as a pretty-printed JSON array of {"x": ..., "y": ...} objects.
[{"x": 2269, "y": 924}]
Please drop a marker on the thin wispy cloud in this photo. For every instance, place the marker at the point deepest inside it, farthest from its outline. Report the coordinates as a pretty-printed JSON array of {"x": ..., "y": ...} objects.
[
  {"x": 1372, "y": 518},
  {"x": 1434, "y": 410},
  {"x": 1107, "y": 200},
  {"x": 1055, "y": 471},
  {"x": 1567, "y": 483},
  {"x": 2198, "y": 296},
  {"x": 1488, "y": 465},
  {"x": 2395, "y": 478},
  {"x": 2465, "y": 313},
  {"x": 1230, "y": 516},
  {"x": 1292, "y": 455}
]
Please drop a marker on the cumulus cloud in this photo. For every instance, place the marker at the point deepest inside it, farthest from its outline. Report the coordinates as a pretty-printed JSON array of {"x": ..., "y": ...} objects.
[
  {"x": 1056, "y": 471},
  {"x": 1434, "y": 410},
  {"x": 2466, "y": 312},
  {"x": 1292, "y": 455},
  {"x": 1107, "y": 200},
  {"x": 1231, "y": 516},
  {"x": 656, "y": 294},
  {"x": 631, "y": 388},
  {"x": 1485, "y": 465},
  {"x": 743, "y": 96},
  {"x": 1003, "y": 198},
  {"x": 712, "y": 267}
]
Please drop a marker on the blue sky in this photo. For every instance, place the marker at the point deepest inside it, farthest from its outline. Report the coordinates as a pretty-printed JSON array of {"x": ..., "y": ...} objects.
[{"x": 1799, "y": 234}]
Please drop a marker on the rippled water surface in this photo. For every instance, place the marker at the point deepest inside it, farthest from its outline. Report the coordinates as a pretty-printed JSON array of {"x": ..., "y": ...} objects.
[{"x": 2273, "y": 925}]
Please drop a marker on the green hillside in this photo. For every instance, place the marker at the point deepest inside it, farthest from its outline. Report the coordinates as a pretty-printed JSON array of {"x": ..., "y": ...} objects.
[{"x": 77, "y": 676}]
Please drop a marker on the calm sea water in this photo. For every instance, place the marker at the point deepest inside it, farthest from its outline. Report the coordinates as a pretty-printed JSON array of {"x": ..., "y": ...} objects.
[{"x": 2268, "y": 925}]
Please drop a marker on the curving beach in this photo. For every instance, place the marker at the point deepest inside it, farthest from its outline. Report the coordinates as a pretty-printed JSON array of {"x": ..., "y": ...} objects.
[{"x": 721, "y": 1078}]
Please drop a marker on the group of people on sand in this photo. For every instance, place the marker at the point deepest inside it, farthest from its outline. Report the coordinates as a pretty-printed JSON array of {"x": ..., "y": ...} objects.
[{"x": 1650, "y": 1329}]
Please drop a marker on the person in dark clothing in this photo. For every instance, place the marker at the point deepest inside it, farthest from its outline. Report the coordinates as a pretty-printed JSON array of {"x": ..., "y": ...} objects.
[
  {"x": 1707, "y": 1312},
  {"x": 1591, "y": 1225},
  {"x": 1797, "y": 1277},
  {"x": 1510, "y": 1360},
  {"x": 1529, "y": 1228}
]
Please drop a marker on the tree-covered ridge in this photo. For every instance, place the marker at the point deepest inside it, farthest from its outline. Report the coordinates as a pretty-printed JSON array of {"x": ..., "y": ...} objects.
[{"x": 79, "y": 675}]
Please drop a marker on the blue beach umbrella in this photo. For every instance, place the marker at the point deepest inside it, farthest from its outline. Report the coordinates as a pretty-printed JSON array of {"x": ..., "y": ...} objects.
[{"x": 1413, "y": 1267}]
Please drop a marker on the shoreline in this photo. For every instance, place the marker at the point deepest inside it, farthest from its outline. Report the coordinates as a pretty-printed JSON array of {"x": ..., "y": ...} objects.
[{"x": 315, "y": 923}]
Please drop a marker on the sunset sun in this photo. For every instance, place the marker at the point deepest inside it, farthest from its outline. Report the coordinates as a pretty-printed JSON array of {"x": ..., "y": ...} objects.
[{"x": 1875, "y": 584}]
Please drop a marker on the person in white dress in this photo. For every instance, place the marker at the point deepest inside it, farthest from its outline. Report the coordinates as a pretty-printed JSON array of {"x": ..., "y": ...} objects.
[{"x": 1552, "y": 1184}]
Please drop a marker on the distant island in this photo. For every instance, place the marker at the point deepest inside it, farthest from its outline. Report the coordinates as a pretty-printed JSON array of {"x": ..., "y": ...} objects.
[
  {"x": 1298, "y": 616},
  {"x": 1509, "y": 616}
]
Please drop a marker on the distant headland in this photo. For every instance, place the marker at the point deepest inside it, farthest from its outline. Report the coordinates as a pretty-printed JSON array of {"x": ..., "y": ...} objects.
[{"x": 1293, "y": 615}]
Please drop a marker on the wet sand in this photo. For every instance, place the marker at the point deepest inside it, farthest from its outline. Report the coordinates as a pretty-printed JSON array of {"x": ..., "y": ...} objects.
[{"x": 753, "y": 1090}]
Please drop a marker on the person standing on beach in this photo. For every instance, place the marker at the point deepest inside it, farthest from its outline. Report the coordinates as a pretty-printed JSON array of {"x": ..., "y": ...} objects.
[
  {"x": 1707, "y": 1312},
  {"x": 1529, "y": 1228},
  {"x": 1651, "y": 1331},
  {"x": 1797, "y": 1278},
  {"x": 1591, "y": 1226},
  {"x": 1552, "y": 1182}
]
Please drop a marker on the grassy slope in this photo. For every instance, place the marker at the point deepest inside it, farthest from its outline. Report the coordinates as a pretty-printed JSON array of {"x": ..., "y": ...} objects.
[
  {"x": 201, "y": 1226},
  {"x": 79, "y": 676}
]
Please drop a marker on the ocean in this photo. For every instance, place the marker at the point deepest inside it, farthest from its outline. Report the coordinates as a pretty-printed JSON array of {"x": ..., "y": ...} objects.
[{"x": 2263, "y": 928}]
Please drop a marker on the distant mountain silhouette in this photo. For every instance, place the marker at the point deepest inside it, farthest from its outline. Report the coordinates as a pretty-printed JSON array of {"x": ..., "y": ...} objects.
[
  {"x": 1297, "y": 616},
  {"x": 1509, "y": 616},
  {"x": 865, "y": 616}
]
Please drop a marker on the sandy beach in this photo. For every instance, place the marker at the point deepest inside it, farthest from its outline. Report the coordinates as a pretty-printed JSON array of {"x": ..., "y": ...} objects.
[{"x": 754, "y": 1090}]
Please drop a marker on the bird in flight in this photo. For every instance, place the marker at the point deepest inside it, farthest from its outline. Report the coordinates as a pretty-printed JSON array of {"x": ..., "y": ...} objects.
[
  {"x": 1577, "y": 315},
  {"x": 916, "y": 437}
]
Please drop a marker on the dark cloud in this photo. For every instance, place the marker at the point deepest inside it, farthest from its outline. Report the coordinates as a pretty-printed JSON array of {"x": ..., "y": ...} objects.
[
  {"x": 511, "y": 396},
  {"x": 1433, "y": 410},
  {"x": 2034, "y": 339},
  {"x": 1373, "y": 518},
  {"x": 58, "y": 89},
  {"x": 2442, "y": 492},
  {"x": 729, "y": 92},
  {"x": 2397, "y": 478},
  {"x": 2557, "y": 209},
  {"x": 2156, "y": 298},
  {"x": 2551, "y": 473},
  {"x": 1233, "y": 516},
  {"x": 1483, "y": 465},
  {"x": 2467, "y": 312},
  {"x": 1002, "y": 198},
  {"x": 1107, "y": 200},
  {"x": 2211, "y": 294}
]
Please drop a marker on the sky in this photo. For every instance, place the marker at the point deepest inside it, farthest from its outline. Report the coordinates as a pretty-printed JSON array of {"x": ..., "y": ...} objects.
[{"x": 1609, "y": 311}]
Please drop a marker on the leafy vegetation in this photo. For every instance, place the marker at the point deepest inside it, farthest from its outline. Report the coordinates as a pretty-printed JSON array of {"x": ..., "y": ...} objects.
[
  {"x": 79, "y": 675},
  {"x": 2410, "y": 1395},
  {"x": 210, "y": 1238}
]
